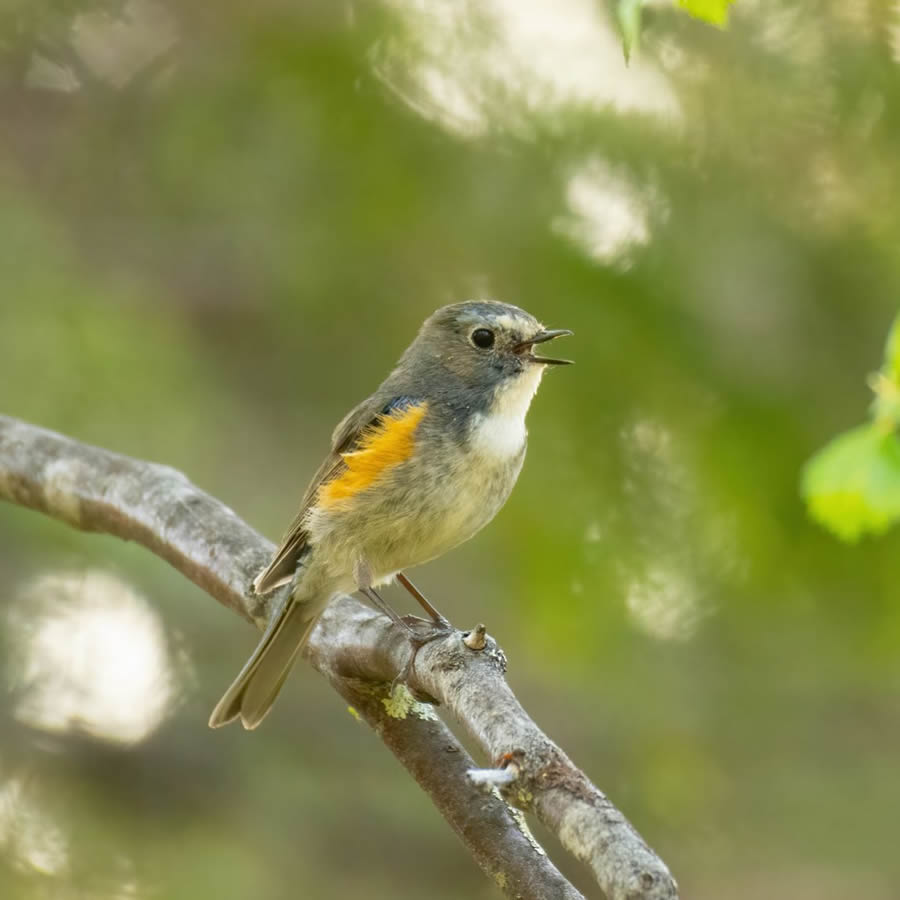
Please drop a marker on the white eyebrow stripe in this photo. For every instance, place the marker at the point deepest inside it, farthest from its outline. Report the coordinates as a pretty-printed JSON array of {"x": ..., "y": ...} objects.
[{"x": 508, "y": 322}]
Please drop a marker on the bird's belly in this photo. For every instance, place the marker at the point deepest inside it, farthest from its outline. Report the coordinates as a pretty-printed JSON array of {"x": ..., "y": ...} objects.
[
  {"x": 420, "y": 513},
  {"x": 459, "y": 508}
]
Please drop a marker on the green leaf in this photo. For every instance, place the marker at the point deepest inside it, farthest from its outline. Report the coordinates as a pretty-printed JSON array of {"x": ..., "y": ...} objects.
[
  {"x": 713, "y": 11},
  {"x": 628, "y": 12},
  {"x": 852, "y": 485},
  {"x": 886, "y": 383},
  {"x": 892, "y": 353}
]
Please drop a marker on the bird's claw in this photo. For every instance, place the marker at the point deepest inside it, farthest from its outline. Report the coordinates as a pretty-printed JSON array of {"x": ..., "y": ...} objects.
[
  {"x": 434, "y": 628},
  {"x": 421, "y": 632}
]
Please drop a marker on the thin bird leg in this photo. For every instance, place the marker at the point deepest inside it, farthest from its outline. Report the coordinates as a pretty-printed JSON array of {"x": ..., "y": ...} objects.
[
  {"x": 363, "y": 574},
  {"x": 379, "y": 603},
  {"x": 440, "y": 627},
  {"x": 436, "y": 617}
]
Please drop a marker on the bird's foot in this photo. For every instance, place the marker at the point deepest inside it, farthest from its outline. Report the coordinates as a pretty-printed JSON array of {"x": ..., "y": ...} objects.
[
  {"x": 427, "y": 630},
  {"x": 421, "y": 632}
]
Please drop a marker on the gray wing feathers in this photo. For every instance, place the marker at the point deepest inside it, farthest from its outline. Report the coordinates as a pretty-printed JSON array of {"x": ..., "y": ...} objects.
[
  {"x": 284, "y": 564},
  {"x": 254, "y": 690},
  {"x": 348, "y": 429}
]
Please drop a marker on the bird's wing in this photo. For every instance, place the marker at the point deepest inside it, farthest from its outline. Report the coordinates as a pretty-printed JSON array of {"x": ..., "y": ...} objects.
[{"x": 369, "y": 438}]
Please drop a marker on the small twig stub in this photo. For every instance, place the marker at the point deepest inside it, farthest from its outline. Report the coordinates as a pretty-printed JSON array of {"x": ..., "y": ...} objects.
[{"x": 476, "y": 639}]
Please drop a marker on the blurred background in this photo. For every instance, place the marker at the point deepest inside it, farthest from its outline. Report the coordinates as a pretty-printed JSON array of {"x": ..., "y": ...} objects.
[{"x": 220, "y": 224}]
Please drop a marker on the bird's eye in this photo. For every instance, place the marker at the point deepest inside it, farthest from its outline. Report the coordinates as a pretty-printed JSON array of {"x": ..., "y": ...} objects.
[{"x": 483, "y": 337}]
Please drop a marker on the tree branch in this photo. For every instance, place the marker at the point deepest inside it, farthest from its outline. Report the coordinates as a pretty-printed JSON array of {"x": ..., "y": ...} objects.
[{"x": 360, "y": 652}]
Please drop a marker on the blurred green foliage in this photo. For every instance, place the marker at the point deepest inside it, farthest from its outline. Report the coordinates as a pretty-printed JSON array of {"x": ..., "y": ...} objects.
[
  {"x": 220, "y": 224},
  {"x": 852, "y": 485},
  {"x": 629, "y": 15},
  {"x": 713, "y": 11}
]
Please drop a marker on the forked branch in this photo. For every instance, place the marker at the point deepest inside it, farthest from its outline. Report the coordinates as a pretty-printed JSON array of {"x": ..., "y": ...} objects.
[{"x": 360, "y": 652}]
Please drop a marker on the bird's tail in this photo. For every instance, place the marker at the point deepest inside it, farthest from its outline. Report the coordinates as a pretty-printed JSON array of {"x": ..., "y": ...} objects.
[{"x": 253, "y": 692}]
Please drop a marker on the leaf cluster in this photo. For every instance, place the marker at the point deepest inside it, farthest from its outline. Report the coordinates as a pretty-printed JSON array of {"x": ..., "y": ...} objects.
[{"x": 852, "y": 485}]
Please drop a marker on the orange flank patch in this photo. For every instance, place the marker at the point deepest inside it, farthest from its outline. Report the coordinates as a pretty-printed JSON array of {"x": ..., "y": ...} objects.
[{"x": 387, "y": 443}]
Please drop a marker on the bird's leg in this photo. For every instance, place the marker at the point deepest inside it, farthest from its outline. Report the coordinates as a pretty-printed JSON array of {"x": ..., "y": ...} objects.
[
  {"x": 424, "y": 632},
  {"x": 436, "y": 617},
  {"x": 381, "y": 605},
  {"x": 363, "y": 574},
  {"x": 416, "y": 637}
]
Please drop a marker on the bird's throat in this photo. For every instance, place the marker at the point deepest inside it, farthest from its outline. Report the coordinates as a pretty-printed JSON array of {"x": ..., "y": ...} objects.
[{"x": 500, "y": 432}]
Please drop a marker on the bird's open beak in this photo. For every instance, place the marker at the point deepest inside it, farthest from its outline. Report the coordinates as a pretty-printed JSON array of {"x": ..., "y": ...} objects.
[{"x": 540, "y": 338}]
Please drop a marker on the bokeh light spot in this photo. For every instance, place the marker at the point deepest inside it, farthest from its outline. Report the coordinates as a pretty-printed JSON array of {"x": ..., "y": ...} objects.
[
  {"x": 90, "y": 655},
  {"x": 27, "y": 835},
  {"x": 470, "y": 66}
]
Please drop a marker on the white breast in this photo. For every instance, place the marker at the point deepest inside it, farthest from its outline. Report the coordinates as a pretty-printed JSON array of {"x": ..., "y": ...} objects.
[{"x": 500, "y": 433}]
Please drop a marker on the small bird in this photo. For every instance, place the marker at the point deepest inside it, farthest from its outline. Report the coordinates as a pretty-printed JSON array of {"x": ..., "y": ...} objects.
[{"x": 414, "y": 470}]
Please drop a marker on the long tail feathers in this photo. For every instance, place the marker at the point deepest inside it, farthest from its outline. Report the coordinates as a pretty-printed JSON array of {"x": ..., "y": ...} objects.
[{"x": 253, "y": 692}]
